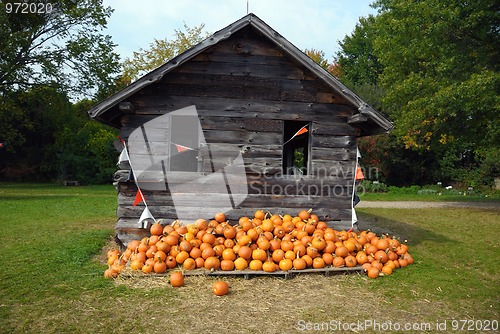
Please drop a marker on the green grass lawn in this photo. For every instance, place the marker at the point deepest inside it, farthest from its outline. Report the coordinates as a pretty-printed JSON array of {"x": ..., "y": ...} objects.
[
  {"x": 395, "y": 196},
  {"x": 52, "y": 281}
]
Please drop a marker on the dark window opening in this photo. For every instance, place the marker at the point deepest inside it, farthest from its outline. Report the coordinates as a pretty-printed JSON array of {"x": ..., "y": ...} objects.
[{"x": 295, "y": 147}]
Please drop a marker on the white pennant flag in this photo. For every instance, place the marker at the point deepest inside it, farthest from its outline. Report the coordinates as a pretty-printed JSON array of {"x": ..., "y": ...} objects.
[
  {"x": 145, "y": 216},
  {"x": 123, "y": 156},
  {"x": 354, "y": 217}
]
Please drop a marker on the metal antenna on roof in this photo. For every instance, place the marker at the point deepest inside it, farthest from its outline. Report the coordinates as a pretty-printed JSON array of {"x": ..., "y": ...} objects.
[{"x": 247, "y": 7}]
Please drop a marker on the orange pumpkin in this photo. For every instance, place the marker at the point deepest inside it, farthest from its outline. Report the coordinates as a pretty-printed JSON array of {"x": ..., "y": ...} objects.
[
  {"x": 299, "y": 263},
  {"x": 269, "y": 266},
  {"x": 240, "y": 263},
  {"x": 110, "y": 273},
  {"x": 350, "y": 261},
  {"x": 341, "y": 251},
  {"x": 328, "y": 258},
  {"x": 387, "y": 270},
  {"x": 227, "y": 265},
  {"x": 220, "y": 288},
  {"x": 255, "y": 265},
  {"x": 318, "y": 262},
  {"x": 189, "y": 264},
  {"x": 373, "y": 272},
  {"x": 160, "y": 267},
  {"x": 259, "y": 254},
  {"x": 304, "y": 215},
  {"x": 361, "y": 257},
  {"x": 338, "y": 261},
  {"x": 176, "y": 279},
  {"x": 212, "y": 263},
  {"x": 286, "y": 264},
  {"x": 220, "y": 217}
]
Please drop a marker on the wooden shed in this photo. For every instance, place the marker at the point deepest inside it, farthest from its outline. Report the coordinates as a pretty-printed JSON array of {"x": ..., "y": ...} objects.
[{"x": 253, "y": 91}]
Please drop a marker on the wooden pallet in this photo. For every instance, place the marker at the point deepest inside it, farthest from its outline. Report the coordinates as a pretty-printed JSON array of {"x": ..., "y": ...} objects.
[{"x": 247, "y": 273}]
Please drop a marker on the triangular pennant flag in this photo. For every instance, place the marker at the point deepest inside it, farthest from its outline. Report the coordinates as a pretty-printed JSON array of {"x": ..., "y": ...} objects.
[
  {"x": 145, "y": 216},
  {"x": 354, "y": 217},
  {"x": 123, "y": 156},
  {"x": 182, "y": 148},
  {"x": 138, "y": 198},
  {"x": 302, "y": 130}
]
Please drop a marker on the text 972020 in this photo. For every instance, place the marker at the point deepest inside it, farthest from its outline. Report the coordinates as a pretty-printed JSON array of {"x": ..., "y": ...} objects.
[{"x": 28, "y": 8}]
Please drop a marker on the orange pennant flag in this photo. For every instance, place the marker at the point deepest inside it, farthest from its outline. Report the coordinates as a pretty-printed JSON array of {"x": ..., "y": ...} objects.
[
  {"x": 138, "y": 198},
  {"x": 301, "y": 131},
  {"x": 181, "y": 148}
]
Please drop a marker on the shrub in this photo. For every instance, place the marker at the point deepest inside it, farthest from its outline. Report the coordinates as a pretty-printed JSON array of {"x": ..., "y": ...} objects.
[{"x": 374, "y": 186}]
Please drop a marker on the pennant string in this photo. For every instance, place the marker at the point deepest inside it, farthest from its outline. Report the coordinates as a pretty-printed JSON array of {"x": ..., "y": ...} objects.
[
  {"x": 146, "y": 214},
  {"x": 354, "y": 217},
  {"x": 139, "y": 195}
]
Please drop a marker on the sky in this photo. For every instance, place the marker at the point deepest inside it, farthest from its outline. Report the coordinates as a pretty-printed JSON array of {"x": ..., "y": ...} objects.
[{"x": 307, "y": 24}]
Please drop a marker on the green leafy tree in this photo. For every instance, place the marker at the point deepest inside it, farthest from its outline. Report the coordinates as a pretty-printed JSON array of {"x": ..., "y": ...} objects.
[
  {"x": 46, "y": 59},
  {"x": 85, "y": 148},
  {"x": 63, "y": 48},
  {"x": 435, "y": 65},
  {"x": 38, "y": 115},
  {"x": 358, "y": 63},
  {"x": 440, "y": 62},
  {"x": 161, "y": 51}
]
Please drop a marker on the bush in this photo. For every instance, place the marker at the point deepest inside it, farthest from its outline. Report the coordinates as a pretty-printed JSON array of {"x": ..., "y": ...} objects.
[{"x": 374, "y": 186}]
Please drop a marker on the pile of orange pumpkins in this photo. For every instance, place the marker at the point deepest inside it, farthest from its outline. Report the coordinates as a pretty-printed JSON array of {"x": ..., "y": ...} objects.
[{"x": 266, "y": 242}]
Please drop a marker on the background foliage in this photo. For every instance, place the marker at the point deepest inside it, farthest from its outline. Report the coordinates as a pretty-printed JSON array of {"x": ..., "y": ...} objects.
[{"x": 430, "y": 65}]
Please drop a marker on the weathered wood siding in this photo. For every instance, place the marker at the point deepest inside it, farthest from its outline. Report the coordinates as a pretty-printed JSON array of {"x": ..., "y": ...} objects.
[{"x": 244, "y": 88}]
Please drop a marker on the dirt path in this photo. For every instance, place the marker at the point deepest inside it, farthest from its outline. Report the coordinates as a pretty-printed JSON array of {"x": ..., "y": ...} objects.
[{"x": 424, "y": 205}]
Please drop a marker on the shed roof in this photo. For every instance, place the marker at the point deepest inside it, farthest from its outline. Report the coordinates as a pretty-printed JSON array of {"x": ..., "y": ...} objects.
[{"x": 367, "y": 118}]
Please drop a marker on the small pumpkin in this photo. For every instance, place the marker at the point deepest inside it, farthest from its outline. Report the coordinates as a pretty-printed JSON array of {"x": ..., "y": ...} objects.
[
  {"x": 110, "y": 273},
  {"x": 269, "y": 266},
  {"x": 176, "y": 279},
  {"x": 299, "y": 263},
  {"x": 156, "y": 229},
  {"x": 189, "y": 264},
  {"x": 220, "y": 288},
  {"x": 226, "y": 265},
  {"x": 160, "y": 266},
  {"x": 318, "y": 262},
  {"x": 212, "y": 263},
  {"x": 373, "y": 272},
  {"x": 240, "y": 263},
  {"x": 255, "y": 265},
  {"x": 350, "y": 261},
  {"x": 286, "y": 264}
]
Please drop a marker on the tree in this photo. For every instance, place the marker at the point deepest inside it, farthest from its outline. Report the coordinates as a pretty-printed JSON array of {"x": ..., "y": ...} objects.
[
  {"x": 440, "y": 74},
  {"x": 85, "y": 150},
  {"x": 45, "y": 60},
  {"x": 358, "y": 63},
  {"x": 63, "y": 47},
  {"x": 319, "y": 57},
  {"x": 161, "y": 51},
  {"x": 433, "y": 66},
  {"x": 38, "y": 115}
]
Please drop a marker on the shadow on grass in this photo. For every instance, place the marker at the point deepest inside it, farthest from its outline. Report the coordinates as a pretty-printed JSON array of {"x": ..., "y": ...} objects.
[{"x": 414, "y": 234}]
